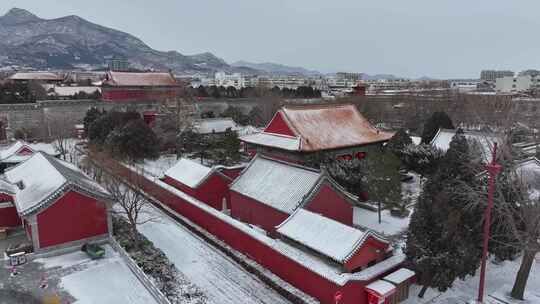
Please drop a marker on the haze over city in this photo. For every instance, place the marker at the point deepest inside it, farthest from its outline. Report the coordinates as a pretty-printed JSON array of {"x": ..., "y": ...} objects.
[{"x": 450, "y": 39}]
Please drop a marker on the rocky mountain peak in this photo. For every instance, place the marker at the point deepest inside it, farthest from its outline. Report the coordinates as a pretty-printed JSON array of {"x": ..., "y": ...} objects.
[{"x": 18, "y": 16}]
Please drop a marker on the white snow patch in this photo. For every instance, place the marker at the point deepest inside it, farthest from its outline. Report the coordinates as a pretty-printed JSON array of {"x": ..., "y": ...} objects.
[{"x": 389, "y": 225}]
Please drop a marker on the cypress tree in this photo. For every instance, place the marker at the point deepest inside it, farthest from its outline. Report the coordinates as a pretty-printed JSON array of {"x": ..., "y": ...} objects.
[{"x": 445, "y": 234}]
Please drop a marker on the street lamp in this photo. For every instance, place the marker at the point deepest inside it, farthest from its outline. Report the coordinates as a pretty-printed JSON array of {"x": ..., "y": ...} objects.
[{"x": 493, "y": 169}]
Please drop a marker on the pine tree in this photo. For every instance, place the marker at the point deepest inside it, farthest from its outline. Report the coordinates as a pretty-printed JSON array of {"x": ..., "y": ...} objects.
[
  {"x": 439, "y": 120},
  {"x": 445, "y": 232},
  {"x": 399, "y": 141}
]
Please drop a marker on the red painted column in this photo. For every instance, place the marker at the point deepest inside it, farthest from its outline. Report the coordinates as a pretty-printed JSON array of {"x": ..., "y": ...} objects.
[{"x": 493, "y": 169}]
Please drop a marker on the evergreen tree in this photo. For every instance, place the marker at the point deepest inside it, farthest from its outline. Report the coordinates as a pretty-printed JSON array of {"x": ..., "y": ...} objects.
[
  {"x": 445, "y": 233},
  {"x": 398, "y": 142},
  {"x": 438, "y": 120},
  {"x": 134, "y": 141},
  {"x": 423, "y": 159},
  {"x": 91, "y": 115}
]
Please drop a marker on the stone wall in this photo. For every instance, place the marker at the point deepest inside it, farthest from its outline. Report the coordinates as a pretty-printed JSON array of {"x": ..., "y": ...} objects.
[{"x": 41, "y": 118}]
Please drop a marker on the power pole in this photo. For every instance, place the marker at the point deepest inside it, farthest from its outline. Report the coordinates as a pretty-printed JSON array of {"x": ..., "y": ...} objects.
[{"x": 493, "y": 169}]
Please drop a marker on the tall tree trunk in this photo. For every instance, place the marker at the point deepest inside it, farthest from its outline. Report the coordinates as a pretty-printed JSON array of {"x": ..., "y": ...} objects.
[{"x": 518, "y": 290}]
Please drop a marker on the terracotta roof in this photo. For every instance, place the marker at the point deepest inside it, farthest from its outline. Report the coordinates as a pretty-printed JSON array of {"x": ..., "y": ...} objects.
[
  {"x": 140, "y": 79},
  {"x": 324, "y": 127}
]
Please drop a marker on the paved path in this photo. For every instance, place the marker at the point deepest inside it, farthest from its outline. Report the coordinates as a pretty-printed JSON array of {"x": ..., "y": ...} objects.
[{"x": 223, "y": 280}]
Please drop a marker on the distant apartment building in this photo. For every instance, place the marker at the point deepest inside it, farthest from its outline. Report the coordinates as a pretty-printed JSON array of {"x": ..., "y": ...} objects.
[
  {"x": 388, "y": 85},
  {"x": 510, "y": 84},
  {"x": 492, "y": 75},
  {"x": 464, "y": 85}
]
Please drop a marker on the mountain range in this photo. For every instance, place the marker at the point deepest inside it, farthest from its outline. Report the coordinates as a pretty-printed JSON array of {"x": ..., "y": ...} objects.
[{"x": 27, "y": 40}]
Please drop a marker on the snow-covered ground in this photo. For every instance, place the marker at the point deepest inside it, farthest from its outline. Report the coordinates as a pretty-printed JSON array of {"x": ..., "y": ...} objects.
[
  {"x": 389, "y": 225},
  {"x": 220, "y": 278},
  {"x": 499, "y": 280},
  {"x": 105, "y": 281}
]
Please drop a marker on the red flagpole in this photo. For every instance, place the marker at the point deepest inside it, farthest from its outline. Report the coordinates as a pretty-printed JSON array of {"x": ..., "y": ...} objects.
[{"x": 493, "y": 169}]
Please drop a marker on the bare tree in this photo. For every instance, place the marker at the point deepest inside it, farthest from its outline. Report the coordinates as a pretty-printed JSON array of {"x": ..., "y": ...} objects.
[
  {"x": 131, "y": 203},
  {"x": 519, "y": 211}
]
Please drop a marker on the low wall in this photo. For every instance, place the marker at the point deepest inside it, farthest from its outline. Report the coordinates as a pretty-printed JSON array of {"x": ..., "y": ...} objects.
[
  {"x": 286, "y": 268},
  {"x": 143, "y": 278}
]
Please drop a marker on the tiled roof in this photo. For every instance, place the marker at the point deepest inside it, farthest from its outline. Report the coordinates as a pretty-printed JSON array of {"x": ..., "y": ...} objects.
[
  {"x": 276, "y": 184},
  {"x": 6, "y": 187},
  {"x": 54, "y": 178},
  {"x": 324, "y": 235},
  {"x": 140, "y": 79},
  {"x": 9, "y": 154},
  {"x": 324, "y": 127},
  {"x": 188, "y": 172},
  {"x": 273, "y": 140}
]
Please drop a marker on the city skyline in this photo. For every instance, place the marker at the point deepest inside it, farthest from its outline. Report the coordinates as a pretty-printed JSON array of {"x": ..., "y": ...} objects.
[{"x": 367, "y": 37}]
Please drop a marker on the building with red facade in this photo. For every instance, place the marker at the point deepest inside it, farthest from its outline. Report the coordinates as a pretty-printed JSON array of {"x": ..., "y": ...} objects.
[
  {"x": 20, "y": 151},
  {"x": 268, "y": 191},
  {"x": 351, "y": 248},
  {"x": 8, "y": 213},
  {"x": 133, "y": 87},
  {"x": 60, "y": 207},
  {"x": 209, "y": 185},
  {"x": 297, "y": 132}
]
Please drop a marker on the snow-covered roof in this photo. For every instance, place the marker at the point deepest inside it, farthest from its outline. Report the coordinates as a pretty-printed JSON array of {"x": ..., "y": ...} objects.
[
  {"x": 322, "y": 127},
  {"x": 273, "y": 140},
  {"x": 306, "y": 258},
  {"x": 399, "y": 276},
  {"x": 188, "y": 172},
  {"x": 43, "y": 76},
  {"x": 44, "y": 178},
  {"x": 69, "y": 90},
  {"x": 10, "y": 153},
  {"x": 214, "y": 125},
  {"x": 381, "y": 287},
  {"x": 139, "y": 79},
  {"x": 277, "y": 184},
  {"x": 7, "y": 187},
  {"x": 324, "y": 235},
  {"x": 485, "y": 141}
]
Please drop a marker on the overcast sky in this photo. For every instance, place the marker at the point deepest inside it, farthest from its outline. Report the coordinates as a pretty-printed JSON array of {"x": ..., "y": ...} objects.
[{"x": 413, "y": 38}]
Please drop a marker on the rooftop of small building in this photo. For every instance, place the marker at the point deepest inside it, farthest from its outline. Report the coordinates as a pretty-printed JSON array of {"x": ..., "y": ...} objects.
[
  {"x": 326, "y": 236},
  {"x": 36, "y": 191}
]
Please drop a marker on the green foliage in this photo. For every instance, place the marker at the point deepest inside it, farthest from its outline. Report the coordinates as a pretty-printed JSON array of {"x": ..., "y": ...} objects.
[
  {"x": 423, "y": 159},
  {"x": 101, "y": 127},
  {"x": 15, "y": 93},
  {"x": 133, "y": 141},
  {"x": 398, "y": 142},
  {"x": 91, "y": 115},
  {"x": 438, "y": 120},
  {"x": 232, "y": 92},
  {"x": 446, "y": 228},
  {"x": 237, "y": 115},
  {"x": 377, "y": 174}
]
